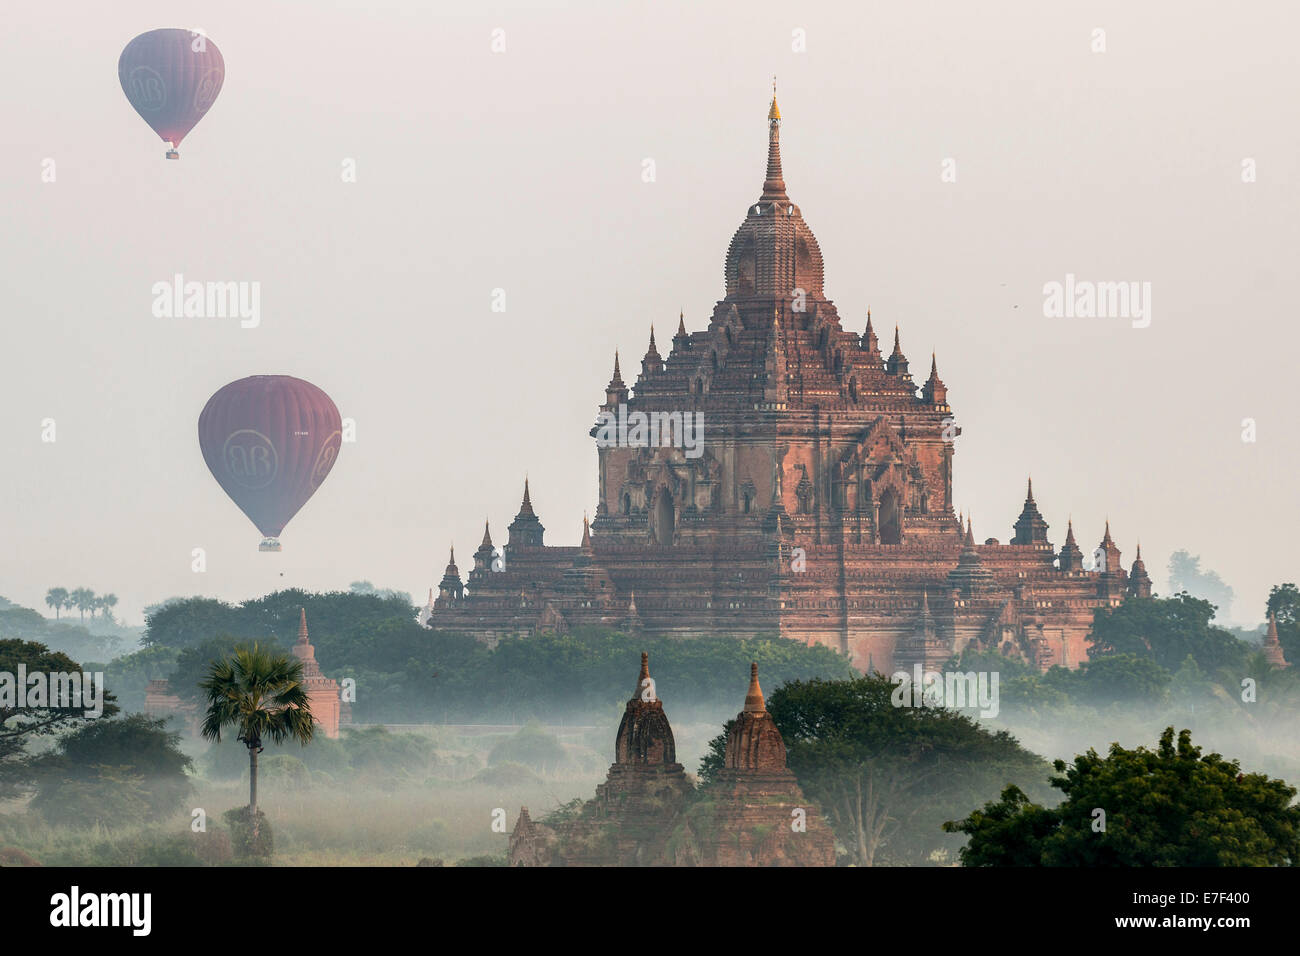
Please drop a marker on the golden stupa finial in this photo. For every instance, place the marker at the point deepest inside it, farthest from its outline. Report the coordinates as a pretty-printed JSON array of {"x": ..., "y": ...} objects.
[{"x": 775, "y": 112}]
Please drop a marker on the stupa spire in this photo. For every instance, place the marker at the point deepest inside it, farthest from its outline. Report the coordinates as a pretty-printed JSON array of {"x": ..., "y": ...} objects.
[
  {"x": 754, "y": 702},
  {"x": 774, "y": 182}
]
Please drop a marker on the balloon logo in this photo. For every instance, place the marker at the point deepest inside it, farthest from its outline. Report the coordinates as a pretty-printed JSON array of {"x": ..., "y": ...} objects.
[
  {"x": 270, "y": 441},
  {"x": 171, "y": 77}
]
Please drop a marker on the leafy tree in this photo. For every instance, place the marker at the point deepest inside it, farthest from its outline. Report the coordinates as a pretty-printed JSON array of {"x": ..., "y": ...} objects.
[
  {"x": 186, "y": 622},
  {"x": 1165, "y": 630},
  {"x": 260, "y": 695},
  {"x": 21, "y": 726},
  {"x": 112, "y": 772},
  {"x": 1124, "y": 679},
  {"x": 1167, "y": 807},
  {"x": 887, "y": 776},
  {"x": 55, "y": 598}
]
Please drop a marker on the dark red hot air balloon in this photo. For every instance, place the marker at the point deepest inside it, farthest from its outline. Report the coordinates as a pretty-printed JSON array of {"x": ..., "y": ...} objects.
[
  {"x": 171, "y": 77},
  {"x": 270, "y": 440}
]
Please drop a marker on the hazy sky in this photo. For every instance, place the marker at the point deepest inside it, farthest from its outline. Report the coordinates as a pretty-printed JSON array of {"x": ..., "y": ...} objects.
[{"x": 522, "y": 170}]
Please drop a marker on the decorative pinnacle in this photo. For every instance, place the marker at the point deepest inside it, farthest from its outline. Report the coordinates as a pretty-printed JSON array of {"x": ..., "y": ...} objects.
[
  {"x": 774, "y": 183},
  {"x": 754, "y": 703},
  {"x": 487, "y": 536},
  {"x": 586, "y": 533},
  {"x": 642, "y": 677},
  {"x": 681, "y": 323},
  {"x": 302, "y": 625},
  {"x": 527, "y": 507}
]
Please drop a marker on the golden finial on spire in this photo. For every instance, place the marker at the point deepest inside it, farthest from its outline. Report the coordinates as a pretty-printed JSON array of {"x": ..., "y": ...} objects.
[{"x": 774, "y": 113}]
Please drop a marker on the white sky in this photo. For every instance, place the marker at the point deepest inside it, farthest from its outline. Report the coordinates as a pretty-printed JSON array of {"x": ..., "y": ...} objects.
[{"x": 522, "y": 170}]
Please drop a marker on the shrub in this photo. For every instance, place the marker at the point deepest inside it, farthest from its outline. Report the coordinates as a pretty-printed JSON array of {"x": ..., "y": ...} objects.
[{"x": 241, "y": 835}]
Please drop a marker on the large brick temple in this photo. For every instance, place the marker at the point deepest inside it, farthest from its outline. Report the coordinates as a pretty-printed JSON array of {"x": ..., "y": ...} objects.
[{"x": 818, "y": 506}]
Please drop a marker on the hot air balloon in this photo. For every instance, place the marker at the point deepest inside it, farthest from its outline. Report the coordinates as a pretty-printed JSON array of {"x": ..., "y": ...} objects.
[
  {"x": 171, "y": 77},
  {"x": 270, "y": 440}
]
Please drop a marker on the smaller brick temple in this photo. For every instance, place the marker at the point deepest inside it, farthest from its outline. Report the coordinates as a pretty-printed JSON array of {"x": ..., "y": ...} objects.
[
  {"x": 322, "y": 692},
  {"x": 1272, "y": 647},
  {"x": 648, "y": 813},
  {"x": 753, "y": 813}
]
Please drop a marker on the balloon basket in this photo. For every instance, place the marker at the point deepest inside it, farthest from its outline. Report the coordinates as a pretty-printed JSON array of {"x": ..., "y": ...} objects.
[
  {"x": 269, "y": 544},
  {"x": 172, "y": 154}
]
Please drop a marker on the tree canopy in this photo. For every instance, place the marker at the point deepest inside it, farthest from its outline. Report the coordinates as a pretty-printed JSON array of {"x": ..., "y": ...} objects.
[{"x": 1171, "y": 806}]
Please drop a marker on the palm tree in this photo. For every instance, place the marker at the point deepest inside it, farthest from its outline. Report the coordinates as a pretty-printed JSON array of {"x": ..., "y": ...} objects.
[
  {"x": 84, "y": 600},
  {"x": 260, "y": 694},
  {"x": 56, "y": 598},
  {"x": 68, "y": 602},
  {"x": 110, "y": 602}
]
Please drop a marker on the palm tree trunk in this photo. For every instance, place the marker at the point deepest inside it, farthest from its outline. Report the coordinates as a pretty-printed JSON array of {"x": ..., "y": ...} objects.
[{"x": 252, "y": 791}]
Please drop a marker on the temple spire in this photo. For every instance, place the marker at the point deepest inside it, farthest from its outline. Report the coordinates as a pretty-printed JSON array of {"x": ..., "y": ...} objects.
[
  {"x": 526, "y": 530},
  {"x": 653, "y": 362},
  {"x": 897, "y": 364},
  {"x": 934, "y": 392},
  {"x": 681, "y": 323},
  {"x": 586, "y": 534},
  {"x": 642, "y": 677},
  {"x": 302, "y": 626},
  {"x": 774, "y": 183},
  {"x": 754, "y": 702},
  {"x": 1071, "y": 557},
  {"x": 487, "y": 536},
  {"x": 1030, "y": 528}
]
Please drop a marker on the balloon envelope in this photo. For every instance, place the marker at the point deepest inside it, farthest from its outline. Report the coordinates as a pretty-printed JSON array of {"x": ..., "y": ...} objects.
[
  {"x": 171, "y": 77},
  {"x": 270, "y": 440}
]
